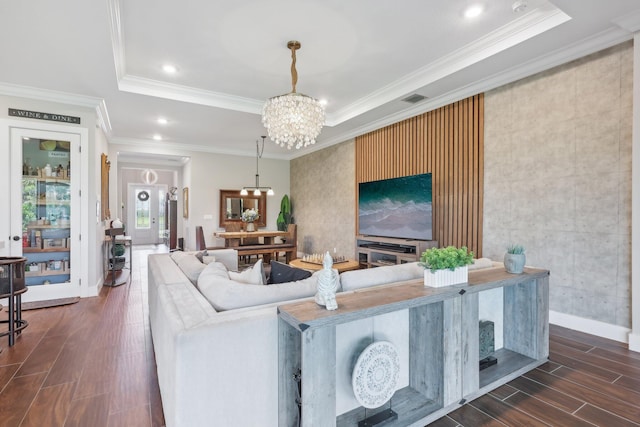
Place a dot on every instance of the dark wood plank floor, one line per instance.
(587, 381)
(88, 364)
(91, 364)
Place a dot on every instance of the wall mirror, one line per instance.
(104, 194)
(232, 204)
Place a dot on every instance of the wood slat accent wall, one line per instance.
(448, 142)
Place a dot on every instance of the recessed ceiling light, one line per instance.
(162, 121)
(519, 6)
(169, 69)
(323, 102)
(473, 11)
(157, 137)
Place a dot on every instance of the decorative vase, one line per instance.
(250, 226)
(514, 263)
(446, 277)
(118, 249)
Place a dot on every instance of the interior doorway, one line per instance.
(146, 213)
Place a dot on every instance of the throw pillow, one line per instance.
(189, 264)
(282, 273)
(208, 259)
(201, 255)
(253, 275)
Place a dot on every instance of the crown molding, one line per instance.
(629, 22)
(174, 148)
(530, 25)
(595, 43)
(10, 89)
(159, 89)
(192, 95)
(103, 117)
(98, 104)
(117, 37)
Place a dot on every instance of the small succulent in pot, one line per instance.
(515, 259)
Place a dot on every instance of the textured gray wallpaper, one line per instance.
(323, 198)
(558, 180)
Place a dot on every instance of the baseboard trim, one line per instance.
(634, 342)
(589, 326)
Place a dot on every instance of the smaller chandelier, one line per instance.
(257, 190)
(294, 118)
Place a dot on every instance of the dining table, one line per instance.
(234, 238)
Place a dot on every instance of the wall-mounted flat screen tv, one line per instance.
(396, 207)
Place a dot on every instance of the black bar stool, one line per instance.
(12, 286)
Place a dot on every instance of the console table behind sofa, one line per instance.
(443, 342)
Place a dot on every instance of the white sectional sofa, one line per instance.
(217, 355)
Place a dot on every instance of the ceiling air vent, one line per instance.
(415, 98)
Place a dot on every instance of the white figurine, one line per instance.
(327, 284)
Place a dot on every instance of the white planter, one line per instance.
(447, 277)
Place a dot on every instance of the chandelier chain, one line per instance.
(294, 72)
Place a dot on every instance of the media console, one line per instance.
(375, 251)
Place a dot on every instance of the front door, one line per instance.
(145, 215)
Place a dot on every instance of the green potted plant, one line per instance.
(515, 259)
(284, 217)
(446, 266)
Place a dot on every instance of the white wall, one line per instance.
(205, 174)
(211, 173)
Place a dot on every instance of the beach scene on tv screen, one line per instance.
(397, 207)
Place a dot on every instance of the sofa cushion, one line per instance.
(189, 264)
(253, 275)
(216, 269)
(282, 273)
(226, 294)
(357, 279)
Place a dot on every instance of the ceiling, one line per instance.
(362, 56)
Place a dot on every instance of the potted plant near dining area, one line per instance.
(248, 217)
(446, 266)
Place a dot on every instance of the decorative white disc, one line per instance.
(376, 374)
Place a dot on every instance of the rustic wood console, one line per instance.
(443, 341)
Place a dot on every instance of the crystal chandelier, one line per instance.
(257, 190)
(294, 118)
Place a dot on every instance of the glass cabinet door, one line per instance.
(46, 211)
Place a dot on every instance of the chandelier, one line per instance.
(294, 118)
(257, 190)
